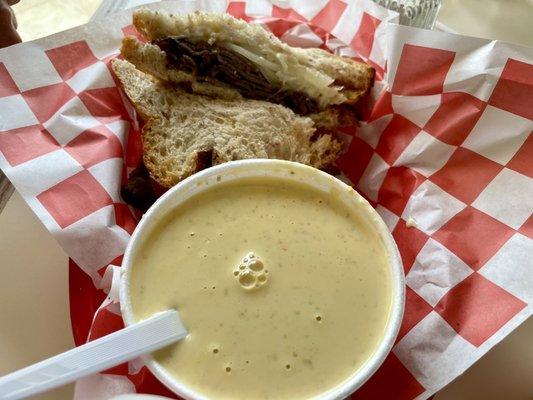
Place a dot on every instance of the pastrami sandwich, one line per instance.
(211, 89)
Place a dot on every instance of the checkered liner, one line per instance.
(445, 155)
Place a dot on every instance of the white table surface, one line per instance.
(34, 285)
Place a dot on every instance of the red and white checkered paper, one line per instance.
(445, 154)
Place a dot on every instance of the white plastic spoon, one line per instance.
(156, 332)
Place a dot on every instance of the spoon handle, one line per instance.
(126, 344)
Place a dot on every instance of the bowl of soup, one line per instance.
(287, 280)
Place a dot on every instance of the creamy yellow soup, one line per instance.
(285, 291)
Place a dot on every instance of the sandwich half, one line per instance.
(218, 55)
(184, 133)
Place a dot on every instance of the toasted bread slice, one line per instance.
(323, 77)
(184, 133)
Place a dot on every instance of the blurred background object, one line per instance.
(39, 18)
(417, 13)
(508, 20)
